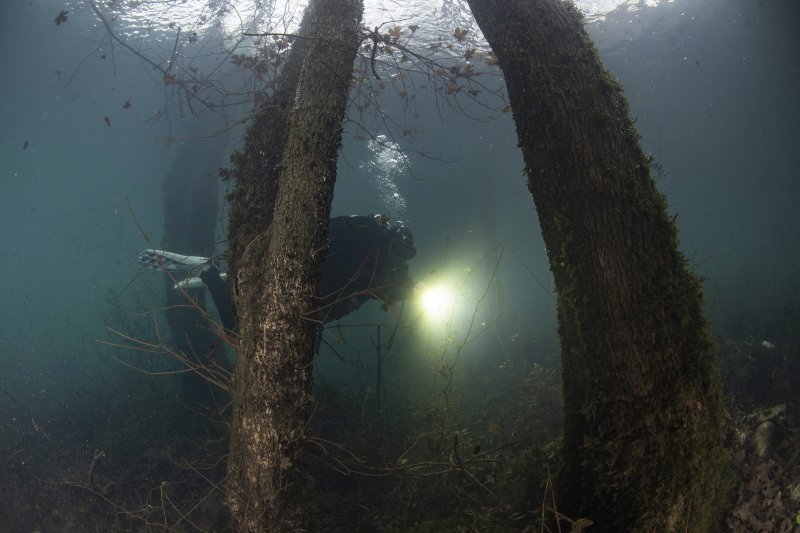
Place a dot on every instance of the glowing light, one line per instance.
(438, 302)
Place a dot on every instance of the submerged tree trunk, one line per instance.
(277, 263)
(643, 440)
(191, 195)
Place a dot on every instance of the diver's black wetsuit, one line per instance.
(221, 295)
(366, 259)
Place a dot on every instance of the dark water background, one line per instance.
(714, 88)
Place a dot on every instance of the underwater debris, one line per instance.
(25, 145)
(61, 17)
(763, 449)
(127, 104)
(107, 120)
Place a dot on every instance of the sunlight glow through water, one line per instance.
(435, 18)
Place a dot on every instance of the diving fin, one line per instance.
(195, 282)
(163, 260)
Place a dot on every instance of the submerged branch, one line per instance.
(165, 72)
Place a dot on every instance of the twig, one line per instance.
(174, 53)
(97, 456)
(40, 430)
(114, 37)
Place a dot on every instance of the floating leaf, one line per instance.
(395, 32)
(460, 34)
(61, 17)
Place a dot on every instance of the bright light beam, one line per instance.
(438, 303)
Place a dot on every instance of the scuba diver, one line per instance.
(366, 260)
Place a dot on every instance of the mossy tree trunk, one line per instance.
(277, 261)
(643, 440)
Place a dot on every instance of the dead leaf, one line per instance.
(61, 17)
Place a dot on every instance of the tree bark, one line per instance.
(277, 264)
(643, 438)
